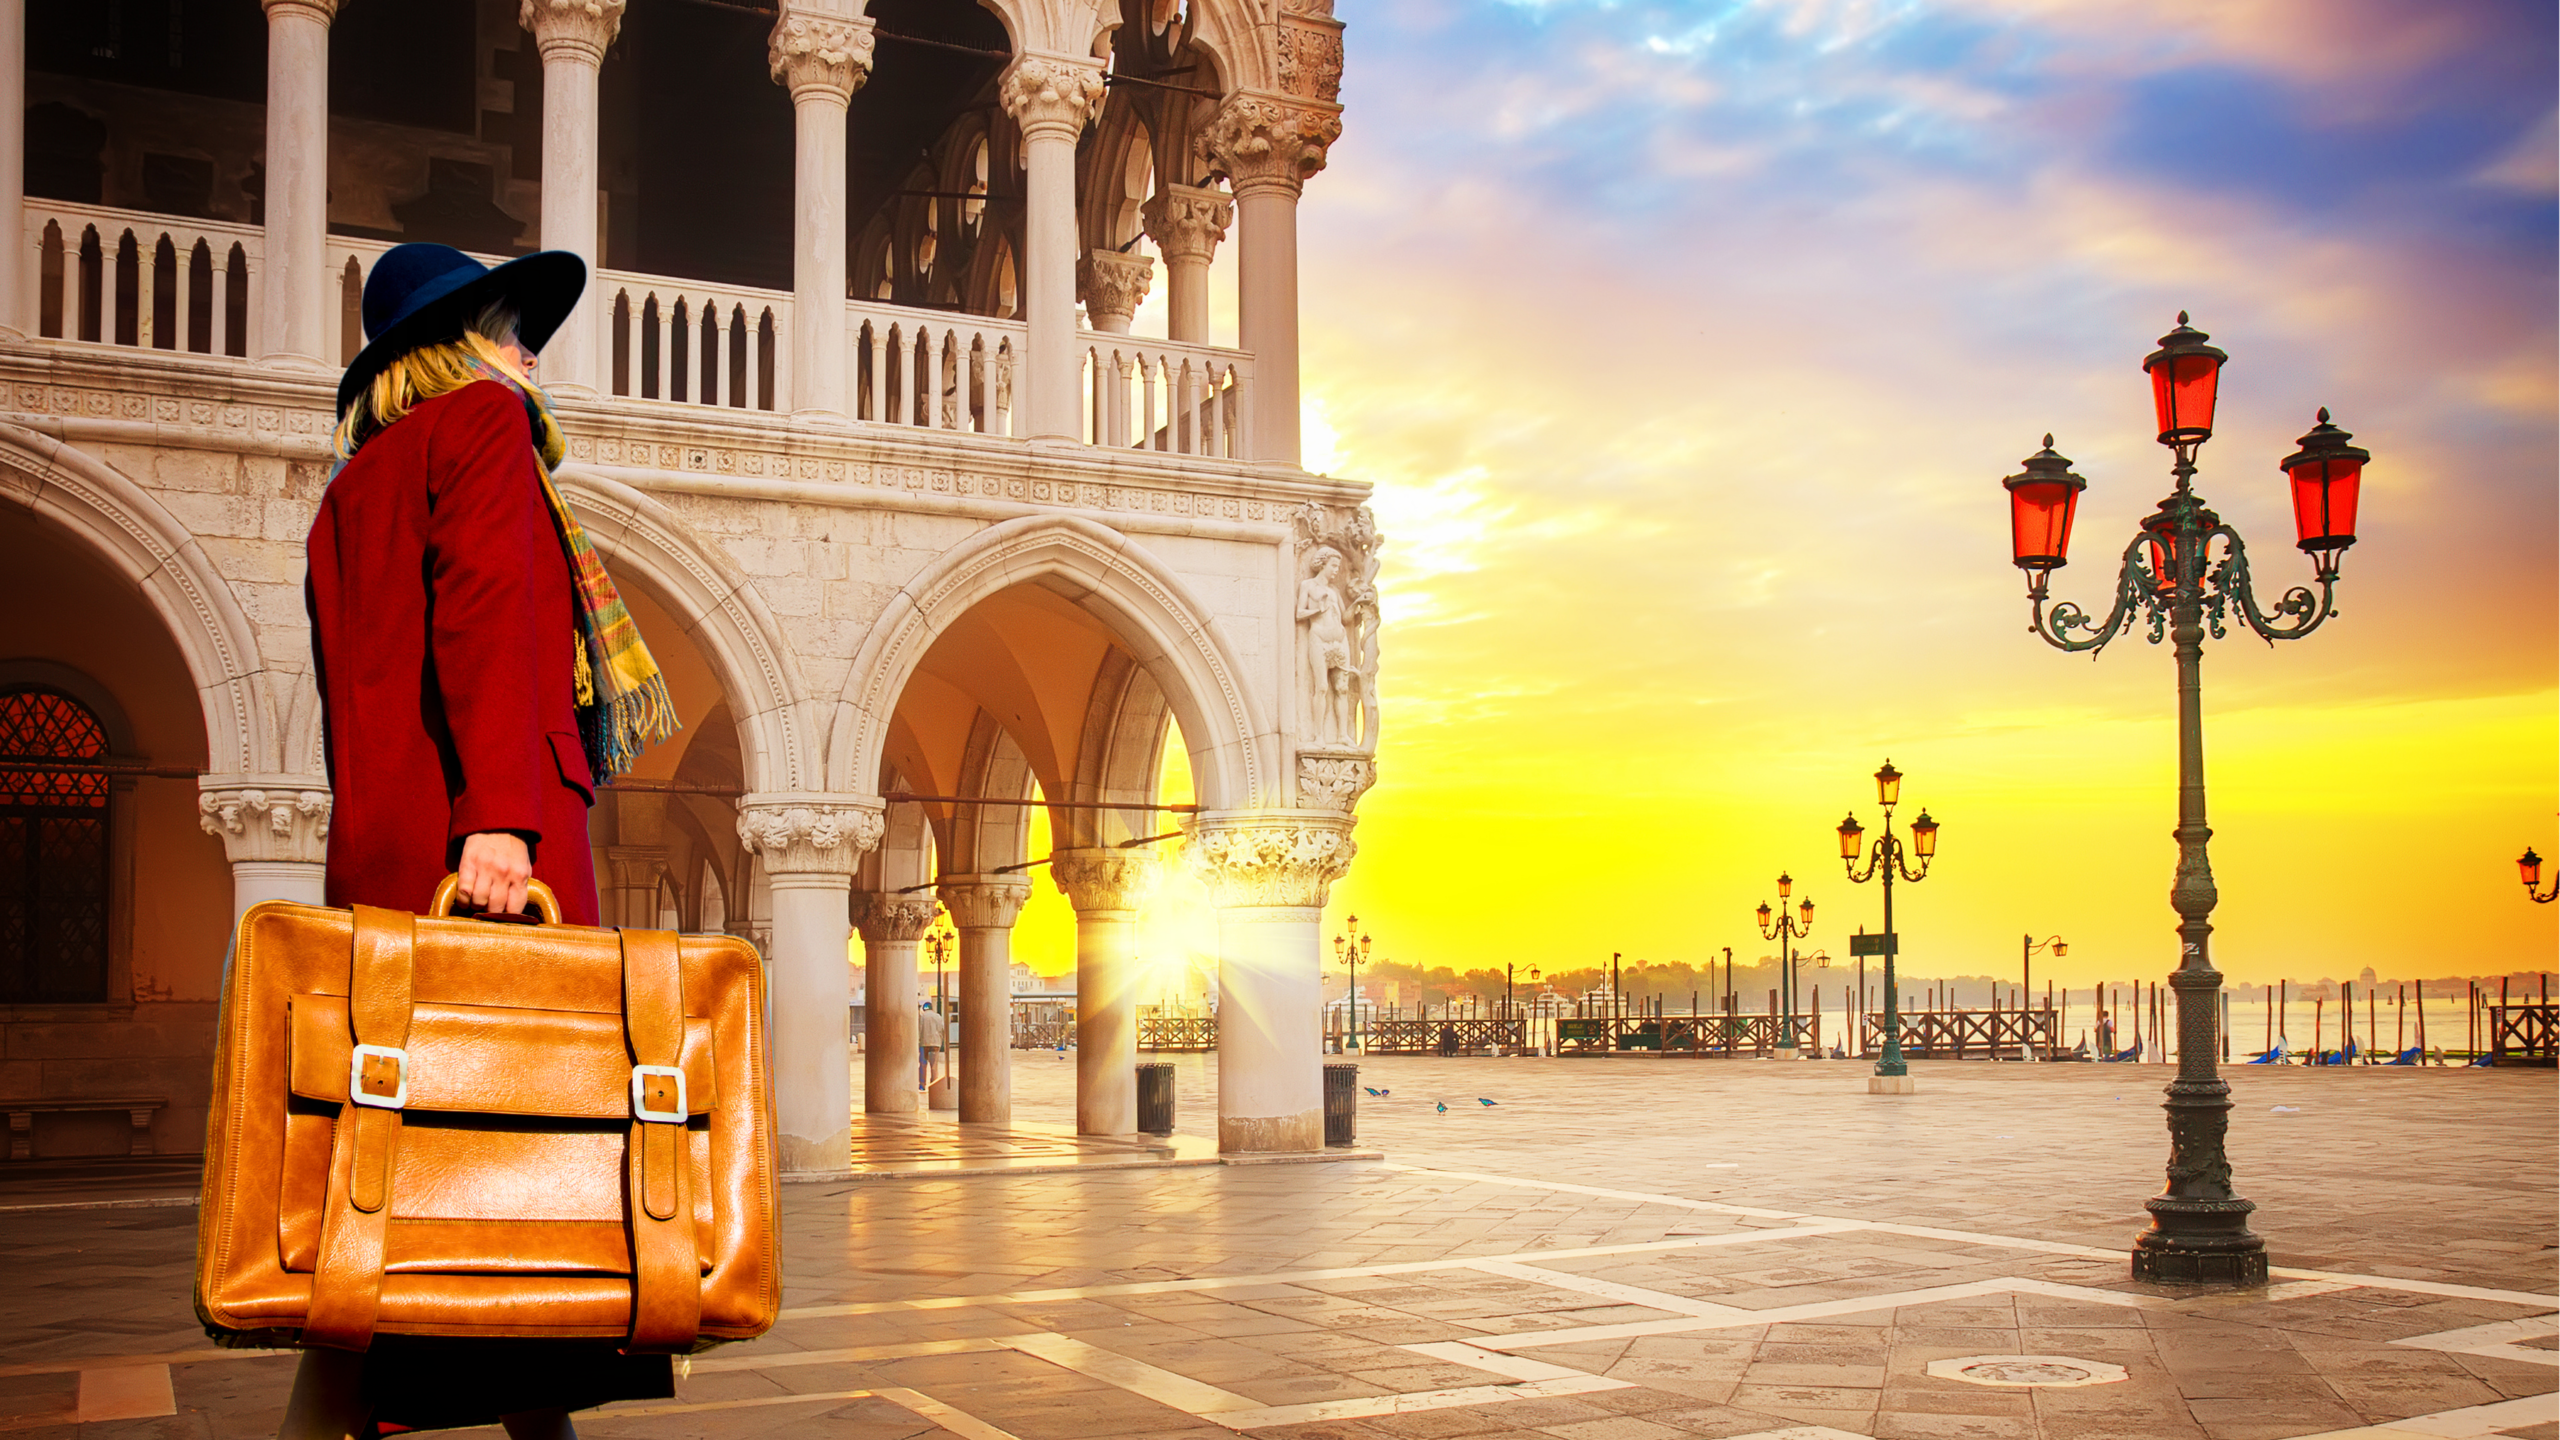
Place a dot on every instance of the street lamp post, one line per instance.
(2028, 945)
(1789, 928)
(2171, 574)
(1350, 947)
(1893, 1076)
(2530, 865)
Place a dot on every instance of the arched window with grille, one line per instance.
(53, 849)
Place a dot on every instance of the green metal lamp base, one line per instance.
(2211, 1244)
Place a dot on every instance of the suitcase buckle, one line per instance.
(361, 1077)
(641, 1109)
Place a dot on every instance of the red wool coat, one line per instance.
(441, 623)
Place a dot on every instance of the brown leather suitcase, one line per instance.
(439, 1125)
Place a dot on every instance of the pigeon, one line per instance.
(1484, 1102)
(1440, 1105)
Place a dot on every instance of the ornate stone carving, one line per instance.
(259, 823)
(984, 902)
(1188, 221)
(1112, 285)
(814, 51)
(808, 836)
(890, 919)
(1337, 615)
(1334, 779)
(582, 28)
(1309, 41)
(1102, 879)
(323, 11)
(1265, 140)
(1277, 860)
(1051, 92)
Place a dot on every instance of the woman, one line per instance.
(478, 677)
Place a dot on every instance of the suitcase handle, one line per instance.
(449, 890)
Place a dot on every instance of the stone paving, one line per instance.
(1568, 1262)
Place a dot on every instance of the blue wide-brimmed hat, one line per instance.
(421, 294)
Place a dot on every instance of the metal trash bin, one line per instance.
(1155, 1098)
(1341, 1104)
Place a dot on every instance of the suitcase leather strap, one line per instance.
(346, 1285)
(666, 1268)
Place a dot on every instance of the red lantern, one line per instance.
(2042, 498)
(2184, 373)
(2530, 866)
(2326, 473)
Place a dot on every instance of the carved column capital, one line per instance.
(984, 902)
(1309, 41)
(1188, 221)
(809, 834)
(635, 867)
(1271, 860)
(323, 11)
(1112, 286)
(573, 29)
(277, 818)
(1102, 879)
(1056, 93)
(885, 917)
(1270, 142)
(814, 52)
(1334, 779)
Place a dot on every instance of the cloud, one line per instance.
(1686, 346)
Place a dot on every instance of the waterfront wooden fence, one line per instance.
(1430, 1037)
(2523, 1034)
(1668, 1034)
(1967, 1034)
(1178, 1032)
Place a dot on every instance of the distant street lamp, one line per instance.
(1350, 948)
(1788, 929)
(1892, 1076)
(2029, 945)
(2199, 1226)
(2531, 865)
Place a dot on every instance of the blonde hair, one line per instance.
(431, 370)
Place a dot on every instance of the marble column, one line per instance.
(891, 925)
(275, 831)
(1051, 97)
(1267, 146)
(1268, 875)
(809, 845)
(1187, 222)
(821, 50)
(294, 311)
(984, 907)
(572, 36)
(1104, 886)
(1113, 286)
(17, 310)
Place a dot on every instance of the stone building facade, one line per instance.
(919, 528)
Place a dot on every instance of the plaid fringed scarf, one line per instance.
(623, 703)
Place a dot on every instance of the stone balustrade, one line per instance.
(131, 278)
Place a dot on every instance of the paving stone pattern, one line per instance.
(1561, 1264)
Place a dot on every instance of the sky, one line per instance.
(1686, 346)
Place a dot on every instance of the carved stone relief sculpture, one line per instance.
(1337, 617)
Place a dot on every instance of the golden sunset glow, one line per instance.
(1686, 359)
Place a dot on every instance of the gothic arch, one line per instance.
(135, 534)
(644, 540)
(1235, 754)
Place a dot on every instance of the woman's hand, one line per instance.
(495, 870)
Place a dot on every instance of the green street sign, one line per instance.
(1875, 945)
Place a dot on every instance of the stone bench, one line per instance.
(23, 1113)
